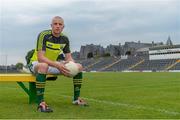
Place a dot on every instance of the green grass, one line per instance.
(110, 95)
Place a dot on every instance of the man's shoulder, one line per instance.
(45, 32)
(64, 35)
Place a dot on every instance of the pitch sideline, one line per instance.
(128, 105)
(120, 104)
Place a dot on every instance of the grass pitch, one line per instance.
(110, 95)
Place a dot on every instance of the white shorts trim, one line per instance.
(51, 70)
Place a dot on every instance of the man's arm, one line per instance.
(68, 57)
(58, 65)
(43, 59)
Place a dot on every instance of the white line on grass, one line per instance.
(129, 105)
(121, 104)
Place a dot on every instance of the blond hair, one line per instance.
(57, 17)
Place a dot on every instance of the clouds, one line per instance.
(97, 21)
(128, 20)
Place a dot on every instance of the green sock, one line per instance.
(77, 80)
(40, 86)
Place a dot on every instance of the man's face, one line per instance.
(57, 25)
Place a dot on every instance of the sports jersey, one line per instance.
(51, 45)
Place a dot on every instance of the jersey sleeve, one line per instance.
(67, 47)
(41, 42)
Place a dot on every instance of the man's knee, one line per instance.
(79, 76)
(42, 68)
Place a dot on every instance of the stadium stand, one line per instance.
(154, 65)
(8, 69)
(176, 66)
(124, 64)
(145, 58)
(103, 63)
(157, 58)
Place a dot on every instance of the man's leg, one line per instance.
(41, 69)
(77, 80)
(40, 86)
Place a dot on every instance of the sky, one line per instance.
(100, 22)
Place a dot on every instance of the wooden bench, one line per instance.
(31, 79)
(20, 78)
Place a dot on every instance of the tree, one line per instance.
(19, 66)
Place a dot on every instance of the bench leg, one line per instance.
(32, 93)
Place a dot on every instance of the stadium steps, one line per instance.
(91, 65)
(108, 66)
(133, 66)
(172, 65)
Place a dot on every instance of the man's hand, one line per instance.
(61, 67)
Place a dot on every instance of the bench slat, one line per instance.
(17, 77)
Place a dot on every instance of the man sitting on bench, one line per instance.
(50, 44)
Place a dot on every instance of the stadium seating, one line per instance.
(103, 63)
(131, 63)
(176, 67)
(154, 65)
(124, 64)
(8, 69)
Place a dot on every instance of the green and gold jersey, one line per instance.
(53, 46)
